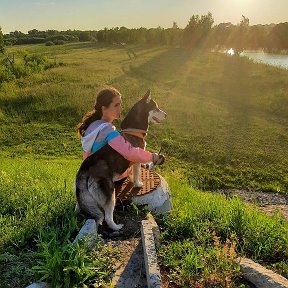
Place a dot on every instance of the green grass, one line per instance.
(38, 225)
(206, 232)
(226, 128)
(33, 194)
(227, 117)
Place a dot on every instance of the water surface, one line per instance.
(278, 60)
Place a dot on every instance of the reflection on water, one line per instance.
(267, 58)
(230, 51)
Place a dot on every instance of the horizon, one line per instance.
(97, 15)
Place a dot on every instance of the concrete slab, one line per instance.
(155, 229)
(260, 276)
(130, 271)
(152, 269)
(89, 232)
(159, 201)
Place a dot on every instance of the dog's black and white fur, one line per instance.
(94, 181)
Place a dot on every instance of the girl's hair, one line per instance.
(103, 98)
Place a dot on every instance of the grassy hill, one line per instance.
(227, 117)
(226, 128)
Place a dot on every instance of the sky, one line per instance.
(25, 15)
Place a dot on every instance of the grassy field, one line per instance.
(227, 117)
(226, 128)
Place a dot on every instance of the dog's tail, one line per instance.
(87, 200)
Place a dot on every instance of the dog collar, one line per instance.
(135, 132)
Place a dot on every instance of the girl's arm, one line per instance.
(133, 154)
(86, 154)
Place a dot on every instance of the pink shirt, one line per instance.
(100, 133)
(123, 147)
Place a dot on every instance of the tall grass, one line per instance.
(33, 195)
(205, 233)
(38, 225)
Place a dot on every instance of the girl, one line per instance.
(97, 130)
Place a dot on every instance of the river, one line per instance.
(278, 60)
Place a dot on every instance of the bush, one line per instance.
(20, 70)
(34, 59)
(58, 37)
(49, 43)
(35, 62)
(59, 42)
(66, 265)
(6, 74)
(30, 40)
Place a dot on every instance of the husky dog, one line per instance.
(135, 126)
(94, 181)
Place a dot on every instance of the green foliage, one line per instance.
(59, 42)
(34, 194)
(34, 60)
(14, 268)
(1, 41)
(194, 264)
(71, 265)
(6, 74)
(225, 129)
(32, 63)
(85, 36)
(49, 43)
(197, 30)
(198, 33)
(205, 232)
(37, 211)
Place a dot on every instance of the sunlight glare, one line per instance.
(230, 52)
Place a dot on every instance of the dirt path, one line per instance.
(268, 202)
(130, 269)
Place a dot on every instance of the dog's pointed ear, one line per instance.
(147, 96)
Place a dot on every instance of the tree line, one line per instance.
(199, 33)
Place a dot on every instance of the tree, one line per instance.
(33, 32)
(1, 42)
(241, 36)
(85, 36)
(175, 26)
(220, 34)
(197, 30)
(279, 38)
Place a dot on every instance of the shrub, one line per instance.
(34, 59)
(6, 74)
(35, 62)
(59, 42)
(67, 265)
(49, 43)
(20, 70)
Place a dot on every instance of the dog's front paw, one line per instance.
(118, 227)
(138, 184)
(100, 220)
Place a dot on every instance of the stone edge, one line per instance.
(260, 276)
(150, 258)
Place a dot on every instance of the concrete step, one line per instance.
(130, 271)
